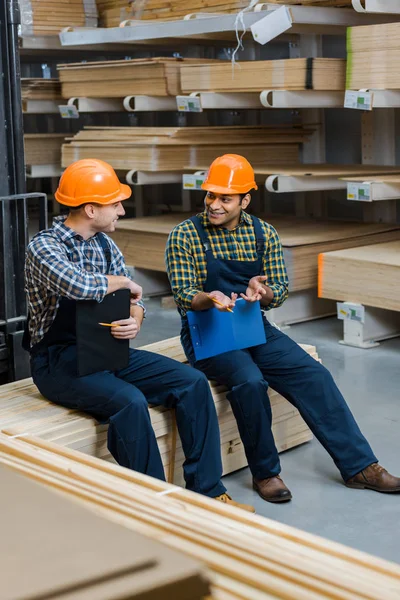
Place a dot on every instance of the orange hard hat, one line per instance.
(90, 180)
(230, 174)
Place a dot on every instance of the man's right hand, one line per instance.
(224, 300)
(136, 291)
(120, 282)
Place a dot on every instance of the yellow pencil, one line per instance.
(108, 325)
(220, 304)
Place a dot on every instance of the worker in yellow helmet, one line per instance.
(224, 253)
(76, 261)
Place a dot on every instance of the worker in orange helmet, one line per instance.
(225, 253)
(74, 261)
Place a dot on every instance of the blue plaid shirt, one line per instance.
(60, 263)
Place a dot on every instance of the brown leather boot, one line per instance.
(272, 489)
(228, 500)
(375, 478)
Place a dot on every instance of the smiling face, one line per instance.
(224, 210)
(104, 217)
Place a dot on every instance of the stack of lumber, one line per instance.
(24, 409)
(248, 557)
(43, 148)
(166, 10)
(369, 275)
(339, 3)
(40, 89)
(53, 547)
(143, 241)
(171, 148)
(112, 12)
(120, 78)
(49, 17)
(253, 76)
(373, 54)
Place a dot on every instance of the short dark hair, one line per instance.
(243, 196)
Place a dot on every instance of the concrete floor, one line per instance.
(370, 381)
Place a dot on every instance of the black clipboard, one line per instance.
(97, 349)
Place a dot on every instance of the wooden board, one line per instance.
(43, 148)
(40, 89)
(49, 17)
(369, 275)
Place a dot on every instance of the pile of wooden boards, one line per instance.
(254, 76)
(40, 89)
(23, 409)
(49, 17)
(143, 241)
(43, 148)
(171, 148)
(373, 54)
(369, 275)
(338, 3)
(113, 12)
(120, 78)
(248, 557)
(176, 9)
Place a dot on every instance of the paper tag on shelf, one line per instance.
(68, 111)
(359, 191)
(346, 311)
(358, 100)
(189, 104)
(193, 182)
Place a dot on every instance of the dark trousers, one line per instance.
(121, 398)
(309, 386)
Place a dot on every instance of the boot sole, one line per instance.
(273, 500)
(359, 486)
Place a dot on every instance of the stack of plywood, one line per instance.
(43, 148)
(176, 9)
(369, 275)
(339, 3)
(254, 76)
(49, 17)
(24, 409)
(120, 78)
(40, 89)
(143, 241)
(112, 12)
(171, 148)
(373, 54)
(248, 557)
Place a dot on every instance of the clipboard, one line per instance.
(214, 332)
(97, 349)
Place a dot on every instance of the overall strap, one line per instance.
(202, 235)
(260, 238)
(106, 249)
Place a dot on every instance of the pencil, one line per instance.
(220, 304)
(108, 325)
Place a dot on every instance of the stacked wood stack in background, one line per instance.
(247, 556)
(373, 55)
(113, 12)
(43, 148)
(369, 275)
(24, 409)
(49, 17)
(171, 148)
(120, 78)
(143, 241)
(338, 3)
(40, 89)
(254, 76)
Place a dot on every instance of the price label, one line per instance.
(346, 311)
(68, 112)
(358, 100)
(359, 191)
(189, 104)
(193, 182)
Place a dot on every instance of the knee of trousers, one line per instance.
(252, 388)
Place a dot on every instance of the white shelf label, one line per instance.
(346, 311)
(359, 191)
(193, 182)
(189, 104)
(358, 100)
(68, 111)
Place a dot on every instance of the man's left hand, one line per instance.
(255, 290)
(127, 329)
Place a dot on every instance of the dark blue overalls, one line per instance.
(288, 369)
(121, 398)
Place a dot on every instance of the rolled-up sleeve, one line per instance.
(274, 268)
(181, 269)
(51, 268)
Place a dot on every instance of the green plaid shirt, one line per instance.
(186, 261)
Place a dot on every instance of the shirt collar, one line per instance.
(245, 219)
(64, 232)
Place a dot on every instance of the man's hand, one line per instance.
(255, 290)
(127, 329)
(224, 300)
(135, 290)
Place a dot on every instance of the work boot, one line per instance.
(228, 500)
(272, 489)
(375, 478)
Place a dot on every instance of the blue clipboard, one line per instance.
(214, 332)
